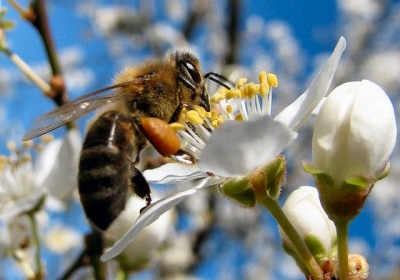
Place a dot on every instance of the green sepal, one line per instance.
(276, 176)
(334, 250)
(288, 250)
(38, 206)
(384, 172)
(357, 184)
(316, 248)
(3, 11)
(321, 179)
(7, 24)
(239, 190)
(268, 178)
(309, 168)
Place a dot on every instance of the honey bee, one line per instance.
(146, 98)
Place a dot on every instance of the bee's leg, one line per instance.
(140, 144)
(140, 186)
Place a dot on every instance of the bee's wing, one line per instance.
(75, 109)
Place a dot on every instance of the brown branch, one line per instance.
(94, 245)
(40, 22)
(233, 30)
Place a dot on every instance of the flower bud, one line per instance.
(355, 131)
(304, 211)
(354, 135)
(358, 267)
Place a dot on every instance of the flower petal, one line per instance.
(173, 173)
(296, 114)
(236, 148)
(152, 212)
(14, 208)
(63, 158)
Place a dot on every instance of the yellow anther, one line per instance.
(239, 117)
(263, 77)
(214, 123)
(39, 147)
(272, 80)
(245, 91)
(241, 82)
(207, 114)
(229, 109)
(194, 117)
(217, 97)
(47, 138)
(223, 90)
(26, 158)
(264, 89)
(184, 111)
(251, 89)
(233, 93)
(177, 126)
(201, 111)
(3, 159)
(220, 119)
(213, 114)
(11, 145)
(27, 144)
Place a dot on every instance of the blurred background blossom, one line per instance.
(212, 238)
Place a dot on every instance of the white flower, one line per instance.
(59, 164)
(152, 212)
(143, 250)
(23, 184)
(304, 211)
(61, 239)
(355, 131)
(19, 234)
(236, 147)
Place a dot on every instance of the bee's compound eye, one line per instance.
(193, 71)
(163, 138)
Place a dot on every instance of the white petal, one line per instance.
(297, 113)
(173, 173)
(236, 148)
(64, 160)
(47, 160)
(17, 207)
(152, 212)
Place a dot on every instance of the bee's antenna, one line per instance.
(210, 74)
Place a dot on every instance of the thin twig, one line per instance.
(233, 31)
(40, 22)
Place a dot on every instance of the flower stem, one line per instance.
(36, 242)
(276, 211)
(342, 228)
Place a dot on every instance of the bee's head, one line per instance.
(194, 90)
